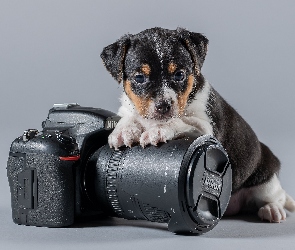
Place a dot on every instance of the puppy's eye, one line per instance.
(179, 76)
(140, 78)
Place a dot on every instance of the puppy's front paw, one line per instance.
(125, 135)
(156, 135)
(273, 212)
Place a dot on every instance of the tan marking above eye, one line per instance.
(183, 97)
(141, 104)
(146, 69)
(172, 67)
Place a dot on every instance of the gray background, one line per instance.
(49, 53)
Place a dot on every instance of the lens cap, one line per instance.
(205, 184)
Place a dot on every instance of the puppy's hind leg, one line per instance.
(272, 200)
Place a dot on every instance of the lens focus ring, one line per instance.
(111, 181)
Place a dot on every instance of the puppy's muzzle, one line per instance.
(163, 107)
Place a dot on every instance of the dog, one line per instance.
(165, 95)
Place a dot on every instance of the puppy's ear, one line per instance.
(196, 44)
(113, 57)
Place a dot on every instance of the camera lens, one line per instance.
(185, 182)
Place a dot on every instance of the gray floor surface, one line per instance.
(238, 232)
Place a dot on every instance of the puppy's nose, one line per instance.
(163, 106)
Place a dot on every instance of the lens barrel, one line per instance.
(185, 182)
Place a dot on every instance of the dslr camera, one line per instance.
(68, 172)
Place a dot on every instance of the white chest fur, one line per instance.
(195, 113)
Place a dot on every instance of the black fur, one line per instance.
(252, 162)
(196, 44)
(113, 57)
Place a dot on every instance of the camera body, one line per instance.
(45, 170)
(69, 172)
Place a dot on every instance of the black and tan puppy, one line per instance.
(165, 94)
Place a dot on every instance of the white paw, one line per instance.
(273, 212)
(156, 135)
(125, 134)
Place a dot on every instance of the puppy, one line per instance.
(165, 94)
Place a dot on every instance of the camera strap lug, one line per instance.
(29, 134)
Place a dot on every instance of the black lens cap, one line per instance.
(205, 183)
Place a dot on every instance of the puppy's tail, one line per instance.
(289, 203)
